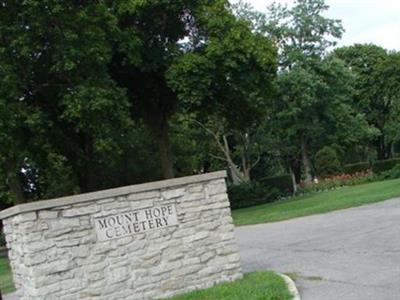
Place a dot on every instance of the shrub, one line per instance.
(327, 162)
(282, 183)
(2, 239)
(391, 174)
(385, 165)
(250, 194)
(356, 168)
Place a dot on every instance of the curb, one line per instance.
(291, 286)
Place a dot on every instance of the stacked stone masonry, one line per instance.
(55, 252)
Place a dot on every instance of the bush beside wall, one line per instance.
(282, 183)
(266, 190)
(250, 194)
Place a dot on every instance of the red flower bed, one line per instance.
(336, 181)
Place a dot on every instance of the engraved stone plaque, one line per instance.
(134, 222)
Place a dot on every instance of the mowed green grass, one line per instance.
(6, 283)
(254, 286)
(318, 203)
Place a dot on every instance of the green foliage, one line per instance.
(229, 76)
(225, 83)
(250, 194)
(384, 165)
(2, 239)
(313, 107)
(356, 168)
(327, 162)
(84, 95)
(393, 173)
(283, 183)
(303, 31)
(377, 74)
(66, 114)
(96, 94)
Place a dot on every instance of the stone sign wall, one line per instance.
(144, 241)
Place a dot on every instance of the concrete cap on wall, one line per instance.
(47, 204)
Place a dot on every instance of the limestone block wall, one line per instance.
(144, 241)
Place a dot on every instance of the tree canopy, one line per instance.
(377, 73)
(101, 94)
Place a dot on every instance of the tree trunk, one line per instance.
(381, 147)
(165, 151)
(293, 176)
(237, 176)
(306, 161)
(87, 182)
(392, 150)
(14, 182)
(246, 168)
(234, 175)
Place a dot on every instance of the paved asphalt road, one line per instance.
(351, 254)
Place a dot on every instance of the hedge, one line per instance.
(283, 183)
(251, 194)
(393, 173)
(356, 168)
(385, 165)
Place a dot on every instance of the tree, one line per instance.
(327, 162)
(314, 90)
(82, 82)
(148, 45)
(302, 33)
(378, 91)
(226, 80)
(62, 110)
(315, 110)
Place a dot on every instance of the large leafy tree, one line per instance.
(168, 31)
(377, 91)
(155, 28)
(313, 108)
(82, 82)
(63, 111)
(225, 78)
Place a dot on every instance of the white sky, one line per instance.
(364, 21)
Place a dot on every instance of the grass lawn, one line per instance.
(318, 203)
(6, 283)
(254, 286)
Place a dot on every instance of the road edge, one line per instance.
(291, 286)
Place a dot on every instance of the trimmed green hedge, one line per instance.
(251, 194)
(259, 192)
(393, 173)
(385, 165)
(283, 183)
(356, 168)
